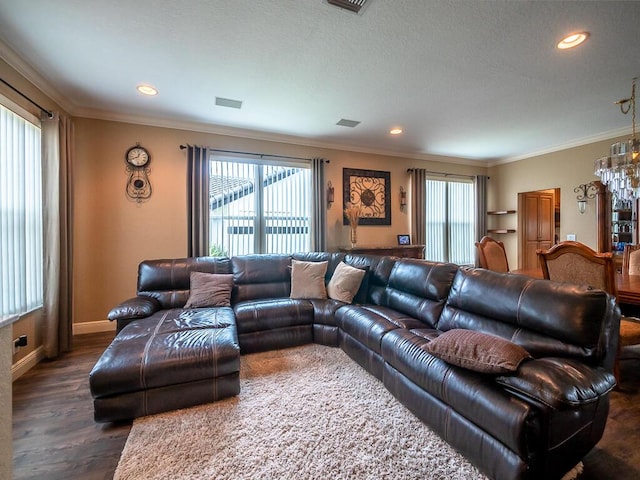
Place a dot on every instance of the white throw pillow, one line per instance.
(345, 282)
(307, 279)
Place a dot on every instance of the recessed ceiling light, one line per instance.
(572, 40)
(395, 131)
(147, 89)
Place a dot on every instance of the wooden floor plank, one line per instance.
(55, 436)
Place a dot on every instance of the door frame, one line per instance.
(522, 219)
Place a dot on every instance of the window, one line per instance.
(20, 214)
(450, 221)
(259, 207)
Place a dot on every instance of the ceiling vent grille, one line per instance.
(353, 5)
(227, 102)
(343, 122)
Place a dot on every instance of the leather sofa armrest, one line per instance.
(559, 383)
(136, 307)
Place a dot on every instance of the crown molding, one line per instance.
(265, 136)
(31, 75)
(565, 146)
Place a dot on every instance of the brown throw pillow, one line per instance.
(307, 279)
(477, 351)
(345, 282)
(210, 290)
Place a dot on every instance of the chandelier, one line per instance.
(620, 171)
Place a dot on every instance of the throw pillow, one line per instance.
(209, 290)
(307, 279)
(345, 282)
(477, 351)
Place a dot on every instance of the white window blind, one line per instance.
(259, 207)
(450, 221)
(20, 214)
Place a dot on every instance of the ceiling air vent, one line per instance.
(227, 102)
(353, 5)
(343, 122)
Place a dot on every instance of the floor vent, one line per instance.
(347, 123)
(353, 5)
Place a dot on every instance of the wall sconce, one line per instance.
(403, 197)
(584, 191)
(330, 194)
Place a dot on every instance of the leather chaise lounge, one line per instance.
(536, 420)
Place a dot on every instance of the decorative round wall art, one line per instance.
(369, 190)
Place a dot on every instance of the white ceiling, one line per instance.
(477, 79)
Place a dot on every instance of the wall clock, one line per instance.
(137, 160)
(370, 190)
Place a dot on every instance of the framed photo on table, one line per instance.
(371, 191)
(404, 240)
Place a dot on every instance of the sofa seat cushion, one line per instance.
(271, 314)
(399, 319)
(473, 395)
(171, 347)
(368, 324)
(324, 311)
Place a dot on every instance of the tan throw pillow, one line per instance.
(210, 290)
(477, 351)
(345, 282)
(307, 279)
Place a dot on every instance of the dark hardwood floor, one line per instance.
(55, 436)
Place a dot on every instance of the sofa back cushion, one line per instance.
(261, 276)
(546, 318)
(168, 280)
(417, 288)
(332, 259)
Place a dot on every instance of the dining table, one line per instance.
(627, 286)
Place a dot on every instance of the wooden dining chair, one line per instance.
(492, 255)
(631, 259)
(574, 262)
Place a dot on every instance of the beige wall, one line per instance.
(113, 234)
(566, 170)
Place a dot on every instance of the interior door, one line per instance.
(536, 214)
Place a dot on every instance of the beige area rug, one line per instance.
(303, 413)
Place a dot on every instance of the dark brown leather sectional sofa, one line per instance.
(536, 422)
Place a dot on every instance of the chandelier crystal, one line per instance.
(620, 171)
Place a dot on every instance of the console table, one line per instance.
(403, 251)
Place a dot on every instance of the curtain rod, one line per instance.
(261, 155)
(410, 170)
(48, 112)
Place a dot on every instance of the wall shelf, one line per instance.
(501, 230)
(501, 212)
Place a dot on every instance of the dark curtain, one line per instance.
(198, 201)
(318, 206)
(418, 199)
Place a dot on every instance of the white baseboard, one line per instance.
(26, 363)
(94, 327)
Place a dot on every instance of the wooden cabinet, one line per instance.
(403, 251)
(536, 223)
